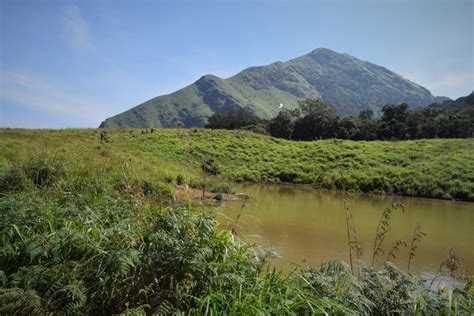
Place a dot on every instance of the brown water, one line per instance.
(308, 226)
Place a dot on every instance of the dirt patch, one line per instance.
(186, 193)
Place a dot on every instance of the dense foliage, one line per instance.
(316, 119)
(234, 118)
(102, 236)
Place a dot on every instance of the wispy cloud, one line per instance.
(38, 94)
(75, 26)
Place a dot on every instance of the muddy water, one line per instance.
(308, 226)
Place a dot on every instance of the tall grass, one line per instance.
(383, 227)
(352, 242)
(418, 234)
(389, 290)
(436, 168)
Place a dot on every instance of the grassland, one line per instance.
(438, 168)
(93, 228)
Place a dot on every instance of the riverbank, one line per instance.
(91, 226)
(436, 168)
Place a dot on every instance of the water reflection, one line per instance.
(308, 226)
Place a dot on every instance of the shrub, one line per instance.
(180, 180)
(43, 172)
(155, 189)
(220, 188)
(12, 179)
(287, 176)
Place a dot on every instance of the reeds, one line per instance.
(395, 248)
(352, 242)
(418, 234)
(383, 227)
(233, 227)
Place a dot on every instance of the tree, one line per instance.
(366, 115)
(427, 126)
(455, 126)
(348, 128)
(367, 126)
(281, 126)
(393, 123)
(234, 117)
(319, 120)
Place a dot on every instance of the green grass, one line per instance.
(91, 228)
(436, 168)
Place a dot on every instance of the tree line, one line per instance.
(316, 119)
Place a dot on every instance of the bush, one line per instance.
(104, 257)
(43, 172)
(39, 171)
(180, 179)
(12, 180)
(220, 188)
(234, 117)
(155, 189)
(288, 176)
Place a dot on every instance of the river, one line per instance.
(308, 226)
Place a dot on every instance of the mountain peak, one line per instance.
(350, 84)
(322, 50)
(324, 55)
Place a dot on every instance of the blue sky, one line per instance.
(74, 63)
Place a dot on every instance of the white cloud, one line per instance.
(28, 91)
(75, 26)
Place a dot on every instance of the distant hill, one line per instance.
(460, 105)
(350, 84)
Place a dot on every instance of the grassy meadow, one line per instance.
(91, 227)
(437, 168)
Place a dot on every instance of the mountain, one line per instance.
(350, 84)
(463, 105)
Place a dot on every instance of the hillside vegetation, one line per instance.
(316, 119)
(91, 227)
(437, 168)
(350, 84)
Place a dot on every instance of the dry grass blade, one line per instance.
(418, 234)
(383, 227)
(352, 242)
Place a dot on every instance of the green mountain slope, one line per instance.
(348, 83)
